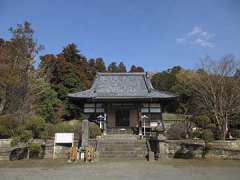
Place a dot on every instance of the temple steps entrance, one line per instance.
(119, 130)
(121, 147)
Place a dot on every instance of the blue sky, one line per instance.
(155, 34)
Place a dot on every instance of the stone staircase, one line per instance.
(121, 147)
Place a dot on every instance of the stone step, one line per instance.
(121, 146)
(129, 143)
(119, 137)
(121, 157)
(121, 153)
(119, 131)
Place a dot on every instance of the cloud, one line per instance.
(197, 37)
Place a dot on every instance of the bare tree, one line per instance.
(216, 90)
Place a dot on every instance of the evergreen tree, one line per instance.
(67, 72)
(100, 65)
(113, 67)
(16, 59)
(122, 67)
(136, 69)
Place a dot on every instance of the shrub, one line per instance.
(48, 131)
(9, 127)
(94, 130)
(35, 151)
(207, 135)
(22, 137)
(201, 121)
(36, 124)
(235, 133)
(196, 134)
(73, 126)
(177, 131)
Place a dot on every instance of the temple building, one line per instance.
(127, 101)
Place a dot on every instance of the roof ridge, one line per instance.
(121, 73)
(146, 84)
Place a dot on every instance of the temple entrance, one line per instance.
(122, 118)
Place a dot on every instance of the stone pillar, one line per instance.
(162, 147)
(85, 132)
(139, 120)
(105, 124)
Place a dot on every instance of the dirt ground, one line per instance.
(126, 170)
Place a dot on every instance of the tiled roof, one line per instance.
(122, 85)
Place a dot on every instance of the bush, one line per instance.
(36, 124)
(207, 135)
(48, 131)
(94, 130)
(196, 134)
(73, 126)
(235, 133)
(22, 137)
(9, 127)
(35, 147)
(35, 151)
(177, 131)
(201, 121)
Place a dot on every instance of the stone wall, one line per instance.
(62, 150)
(5, 148)
(195, 149)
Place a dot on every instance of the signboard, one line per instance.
(153, 124)
(62, 138)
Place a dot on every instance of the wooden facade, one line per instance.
(126, 100)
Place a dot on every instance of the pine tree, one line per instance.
(113, 67)
(122, 67)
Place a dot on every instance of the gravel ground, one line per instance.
(130, 170)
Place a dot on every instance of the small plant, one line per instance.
(35, 150)
(207, 136)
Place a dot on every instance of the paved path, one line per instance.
(133, 170)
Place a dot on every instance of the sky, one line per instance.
(154, 34)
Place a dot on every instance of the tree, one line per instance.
(122, 67)
(216, 90)
(113, 67)
(16, 62)
(168, 81)
(67, 72)
(100, 65)
(136, 69)
(46, 102)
